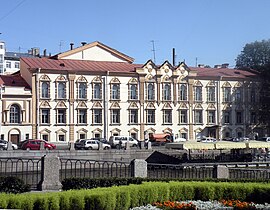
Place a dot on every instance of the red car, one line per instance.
(34, 144)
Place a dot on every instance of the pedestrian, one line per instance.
(120, 144)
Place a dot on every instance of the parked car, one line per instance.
(4, 145)
(91, 144)
(208, 140)
(120, 141)
(34, 144)
(267, 139)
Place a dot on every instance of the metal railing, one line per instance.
(27, 169)
(244, 173)
(93, 168)
(179, 171)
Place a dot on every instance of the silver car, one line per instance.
(4, 145)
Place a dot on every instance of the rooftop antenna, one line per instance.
(196, 62)
(154, 50)
(60, 45)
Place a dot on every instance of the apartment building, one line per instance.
(96, 91)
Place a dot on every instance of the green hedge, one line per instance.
(12, 184)
(90, 183)
(125, 197)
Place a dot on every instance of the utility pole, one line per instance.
(154, 50)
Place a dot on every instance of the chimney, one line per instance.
(173, 56)
(71, 46)
(201, 65)
(225, 65)
(44, 53)
(83, 43)
(217, 66)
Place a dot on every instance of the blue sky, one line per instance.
(213, 31)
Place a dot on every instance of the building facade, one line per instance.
(96, 91)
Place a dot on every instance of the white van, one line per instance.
(114, 141)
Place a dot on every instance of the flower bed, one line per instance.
(204, 205)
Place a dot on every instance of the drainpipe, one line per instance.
(105, 104)
(37, 101)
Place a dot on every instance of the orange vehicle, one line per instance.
(160, 138)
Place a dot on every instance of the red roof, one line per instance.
(14, 80)
(79, 65)
(104, 66)
(222, 72)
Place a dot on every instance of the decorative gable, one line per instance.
(81, 105)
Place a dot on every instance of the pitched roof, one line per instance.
(222, 72)
(79, 65)
(14, 80)
(94, 44)
(104, 66)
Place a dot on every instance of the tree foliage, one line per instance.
(255, 55)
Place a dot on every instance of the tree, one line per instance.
(255, 55)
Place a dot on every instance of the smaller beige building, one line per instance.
(15, 108)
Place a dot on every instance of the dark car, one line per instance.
(34, 144)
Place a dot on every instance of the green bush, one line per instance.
(11, 184)
(90, 183)
(125, 197)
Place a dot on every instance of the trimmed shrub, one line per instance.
(90, 183)
(12, 184)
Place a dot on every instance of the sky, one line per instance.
(206, 32)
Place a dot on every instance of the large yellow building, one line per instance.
(96, 91)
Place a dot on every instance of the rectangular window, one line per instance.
(115, 116)
(82, 116)
(253, 118)
(45, 116)
(97, 116)
(227, 94)
(61, 137)
(238, 95)
(211, 117)
(211, 92)
(133, 116)
(239, 117)
(8, 64)
(167, 116)
(150, 116)
(198, 117)
(45, 137)
(61, 116)
(183, 116)
(17, 65)
(227, 117)
(198, 93)
(82, 136)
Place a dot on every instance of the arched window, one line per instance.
(115, 91)
(97, 91)
(150, 91)
(45, 90)
(133, 91)
(14, 114)
(61, 90)
(82, 90)
(167, 92)
(183, 92)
